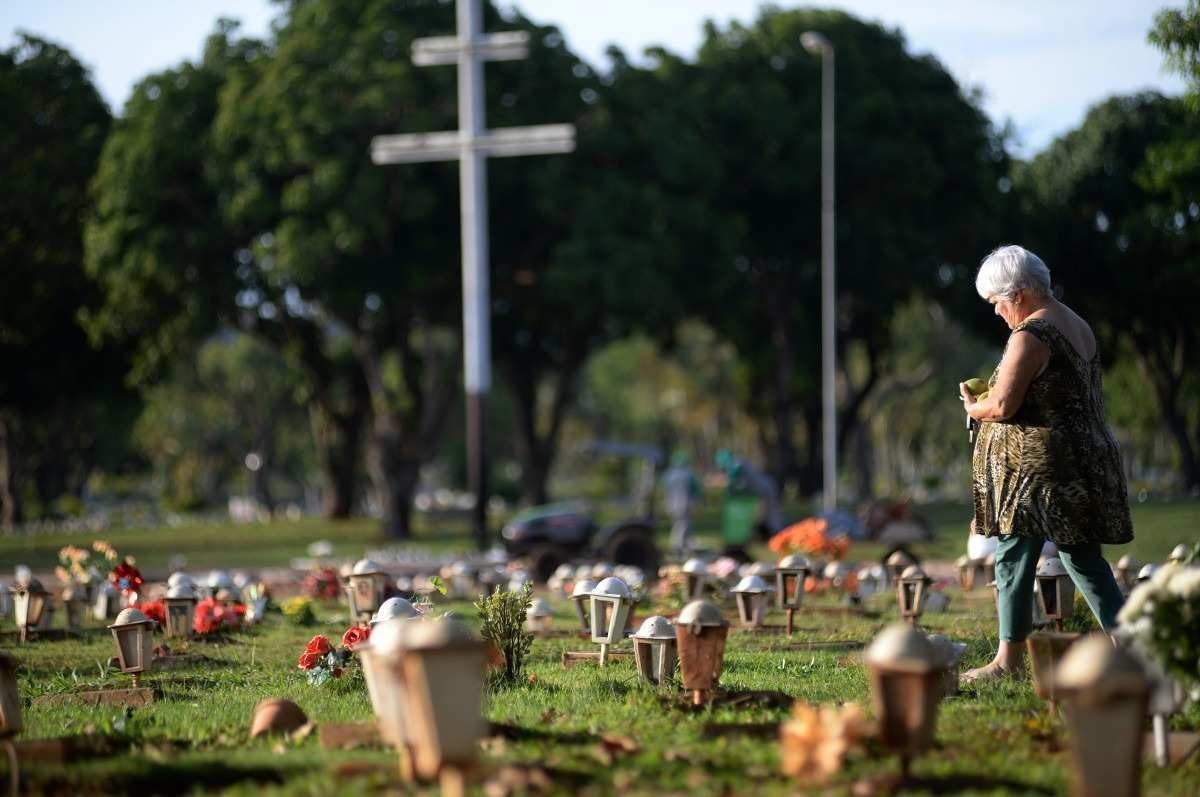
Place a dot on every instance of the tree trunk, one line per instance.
(338, 439)
(1165, 369)
(395, 474)
(537, 448)
(10, 492)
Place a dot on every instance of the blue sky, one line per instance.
(1039, 63)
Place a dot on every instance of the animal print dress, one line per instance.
(1052, 470)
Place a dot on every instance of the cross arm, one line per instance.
(437, 50)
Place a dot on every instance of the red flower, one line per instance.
(318, 645)
(337, 672)
(208, 616)
(308, 660)
(127, 578)
(154, 610)
(354, 635)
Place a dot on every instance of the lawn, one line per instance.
(995, 740)
(1158, 526)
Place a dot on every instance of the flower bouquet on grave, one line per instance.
(154, 610)
(1162, 618)
(811, 537)
(322, 583)
(321, 661)
(212, 615)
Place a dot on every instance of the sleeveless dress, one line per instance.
(1053, 470)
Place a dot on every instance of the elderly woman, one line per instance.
(1046, 466)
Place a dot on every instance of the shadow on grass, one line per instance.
(957, 784)
(518, 733)
(152, 778)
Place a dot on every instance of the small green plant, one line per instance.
(502, 623)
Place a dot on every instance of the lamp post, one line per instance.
(580, 596)
(654, 651)
(135, 646)
(700, 633)
(817, 44)
(695, 576)
(752, 595)
(29, 603)
(1056, 592)
(911, 592)
(611, 601)
(790, 575)
(906, 685)
(181, 609)
(366, 587)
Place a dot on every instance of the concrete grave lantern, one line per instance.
(1147, 572)
(1046, 651)
(654, 651)
(601, 571)
(30, 602)
(538, 617)
(947, 656)
(1105, 696)
(217, 580)
(1126, 571)
(790, 574)
(970, 572)
(366, 586)
(381, 656)
(752, 596)
(10, 699)
(695, 577)
(135, 644)
(75, 603)
(896, 562)
(179, 579)
(700, 633)
(443, 681)
(1178, 554)
(394, 609)
(906, 685)
(580, 596)
(610, 603)
(1056, 592)
(181, 609)
(911, 592)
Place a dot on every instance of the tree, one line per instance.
(1177, 33)
(917, 184)
(55, 388)
(172, 262)
(1121, 228)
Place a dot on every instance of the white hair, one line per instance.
(1009, 269)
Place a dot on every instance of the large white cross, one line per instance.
(471, 145)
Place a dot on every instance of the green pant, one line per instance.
(1016, 566)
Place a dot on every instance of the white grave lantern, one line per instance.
(970, 572)
(179, 579)
(610, 602)
(366, 587)
(30, 601)
(1056, 592)
(1126, 571)
(700, 633)
(752, 595)
(906, 685)
(1104, 695)
(181, 609)
(381, 656)
(1148, 570)
(135, 644)
(695, 576)
(601, 571)
(580, 596)
(538, 617)
(654, 650)
(911, 589)
(443, 685)
(75, 602)
(947, 656)
(1179, 554)
(463, 579)
(394, 609)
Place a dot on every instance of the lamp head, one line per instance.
(815, 43)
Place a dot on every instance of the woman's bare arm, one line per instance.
(1024, 358)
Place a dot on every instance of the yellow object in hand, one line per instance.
(976, 387)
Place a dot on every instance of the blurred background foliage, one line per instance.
(216, 295)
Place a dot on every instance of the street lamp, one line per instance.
(817, 44)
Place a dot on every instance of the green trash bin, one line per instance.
(737, 519)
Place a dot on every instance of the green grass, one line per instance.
(1158, 527)
(996, 740)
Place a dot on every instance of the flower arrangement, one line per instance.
(1162, 617)
(154, 610)
(75, 567)
(125, 576)
(212, 615)
(816, 740)
(322, 582)
(320, 661)
(811, 537)
(299, 610)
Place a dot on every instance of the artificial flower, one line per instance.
(354, 635)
